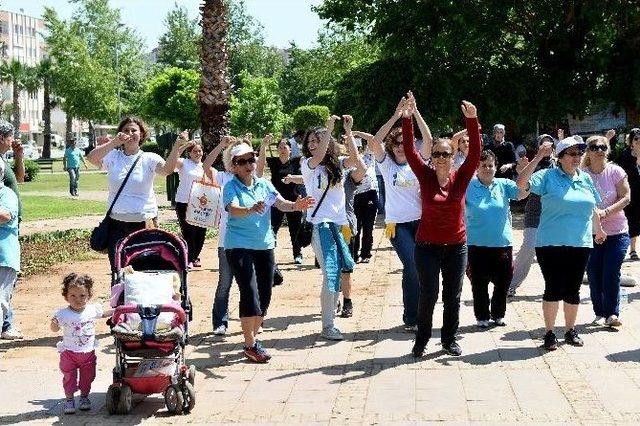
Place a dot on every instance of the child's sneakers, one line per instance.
(69, 406)
(85, 403)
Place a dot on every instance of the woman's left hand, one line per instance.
(469, 110)
(304, 203)
(600, 236)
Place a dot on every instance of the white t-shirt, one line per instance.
(189, 172)
(332, 208)
(137, 202)
(370, 181)
(402, 192)
(221, 179)
(79, 328)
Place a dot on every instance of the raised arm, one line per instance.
(376, 143)
(104, 146)
(427, 139)
(455, 140)
(323, 143)
(178, 148)
(18, 159)
(354, 160)
(262, 155)
(523, 178)
(416, 162)
(471, 163)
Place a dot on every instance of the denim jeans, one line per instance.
(603, 271)
(430, 260)
(524, 258)
(404, 243)
(8, 278)
(381, 194)
(74, 177)
(220, 309)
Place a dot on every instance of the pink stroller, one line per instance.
(150, 360)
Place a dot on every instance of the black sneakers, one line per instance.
(550, 341)
(572, 338)
(452, 349)
(347, 309)
(418, 348)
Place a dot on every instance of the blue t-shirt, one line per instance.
(567, 207)
(254, 230)
(487, 212)
(9, 244)
(73, 155)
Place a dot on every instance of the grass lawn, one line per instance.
(36, 207)
(52, 182)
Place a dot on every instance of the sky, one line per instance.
(283, 20)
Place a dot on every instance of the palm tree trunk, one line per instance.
(214, 85)
(46, 117)
(16, 108)
(69, 129)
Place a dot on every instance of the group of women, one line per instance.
(446, 213)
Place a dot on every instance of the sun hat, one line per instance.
(569, 142)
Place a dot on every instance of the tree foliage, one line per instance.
(178, 46)
(520, 61)
(171, 98)
(257, 107)
(307, 116)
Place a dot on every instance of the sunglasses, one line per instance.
(575, 153)
(244, 161)
(595, 148)
(636, 138)
(440, 154)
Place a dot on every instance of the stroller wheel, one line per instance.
(173, 399)
(192, 375)
(189, 397)
(111, 401)
(125, 402)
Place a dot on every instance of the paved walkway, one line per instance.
(369, 378)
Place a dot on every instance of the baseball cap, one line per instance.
(569, 142)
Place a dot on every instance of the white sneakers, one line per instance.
(331, 333)
(598, 321)
(220, 330)
(482, 324)
(12, 333)
(613, 321)
(500, 322)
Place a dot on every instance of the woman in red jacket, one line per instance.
(441, 237)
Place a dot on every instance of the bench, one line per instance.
(45, 164)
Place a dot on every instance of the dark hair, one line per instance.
(299, 134)
(75, 280)
(144, 129)
(330, 161)
(635, 132)
(390, 140)
(285, 140)
(487, 155)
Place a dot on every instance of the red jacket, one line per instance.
(442, 220)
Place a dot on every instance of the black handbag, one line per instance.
(99, 240)
(305, 232)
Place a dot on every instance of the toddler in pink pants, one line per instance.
(77, 348)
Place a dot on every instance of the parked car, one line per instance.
(31, 151)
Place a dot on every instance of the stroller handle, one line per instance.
(133, 309)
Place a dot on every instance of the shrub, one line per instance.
(31, 170)
(310, 116)
(150, 146)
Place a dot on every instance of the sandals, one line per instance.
(633, 255)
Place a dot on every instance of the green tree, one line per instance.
(257, 107)
(171, 98)
(14, 73)
(307, 116)
(178, 46)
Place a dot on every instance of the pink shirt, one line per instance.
(605, 182)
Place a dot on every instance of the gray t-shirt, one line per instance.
(350, 192)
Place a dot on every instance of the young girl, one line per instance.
(76, 349)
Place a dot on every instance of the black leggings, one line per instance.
(294, 221)
(365, 206)
(117, 231)
(563, 269)
(253, 271)
(490, 264)
(193, 235)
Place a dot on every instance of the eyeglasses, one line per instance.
(575, 153)
(636, 138)
(595, 148)
(244, 161)
(440, 154)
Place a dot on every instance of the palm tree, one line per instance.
(214, 85)
(13, 72)
(45, 72)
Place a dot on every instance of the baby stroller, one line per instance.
(148, 359)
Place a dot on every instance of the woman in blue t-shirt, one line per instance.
(489, 239)
(249, 242)
(564, 239)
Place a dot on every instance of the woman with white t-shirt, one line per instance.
(402, 202)
(322, 169)
(136, 208)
